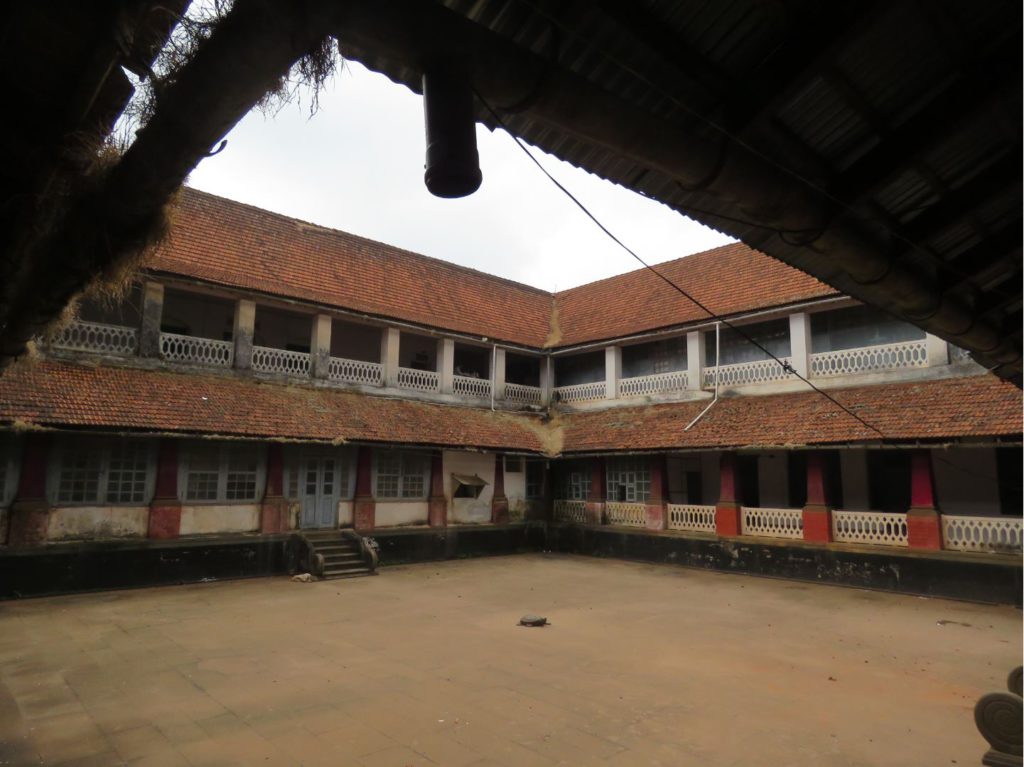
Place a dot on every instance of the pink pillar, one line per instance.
(499, 503)
(727, 510)
(165, 508)
(437, 503)
(656, 511)
(598, 492)
(364, 506)
(924, 530)
(30, 511)
(274, 509)
(818, 510)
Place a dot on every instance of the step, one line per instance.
(346, 561)
(347, 572)
(337, 547)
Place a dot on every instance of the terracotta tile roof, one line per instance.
(243, 247)
(976, 406)
(239, 246)
(728, 280)
(60, 394)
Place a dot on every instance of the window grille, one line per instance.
(534, 479)
(242, 468)
(576, 486)
(222, 472)
(628, 480)
(110, 472)
(401, 475)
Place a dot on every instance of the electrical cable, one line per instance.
(718, 318)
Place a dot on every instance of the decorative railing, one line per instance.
(421, 380)
(270, 360)
(580, 392)
(202, 351)
(684, 516)
(652, 384)
(527, 395)
(866, 359)
(571, 511)
(97, 337)
(471, 387)
(743, 373)
(997, 534)
(355, 371)
(772, 523)
(877, 527)
(628, 514)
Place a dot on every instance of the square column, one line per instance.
(498, 374)
(612, 371)
(695, 341)
(937, 350)
(446, 364)
(727, 510)
(29, 514)
(817, 512)
(389, 339)
(245, 323)
(547, 380)
(499, 503)
(656, 512)
(924, 530)
(800, 343)
(165, 508)
(437, 503)
(274, 509)
(598, 492)
(152, 316)
(320, 346)
(364, 506)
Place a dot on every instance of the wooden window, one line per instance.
(114, 471)
(401, 475)
(535, 479)
(628, 479)
(213, 472)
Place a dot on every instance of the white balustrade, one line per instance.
(686, 516)
(355, 371)
(867, 359)
(271, 360)
(421, 380)
(526, 395)
(743, 373)
(471, 387)
(995, 534)
(772, 523)
(877, 527)
(652, 384)
(580, 392)
(571, 511)
(97, 337)
(628, 514)
(203, 351)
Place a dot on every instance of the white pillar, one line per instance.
(389, 340)
(694, 359)
(938, 350)
(800, 343)
(612, 371)
(320, 346)
(547, 380)
(498, 374)
(245, 323)
(152, 316)
(446, 364)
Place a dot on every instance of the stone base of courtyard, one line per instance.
(641, 665)
(88, 566)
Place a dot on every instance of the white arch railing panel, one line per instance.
(867, 359)
(355, 371)
(994, 534)
(580, 392)
(653, 384)
(627, 514)
(772, 523)
(468, 386)
(269, 360)
(421, 380)
(571, 511)
(875, 527)
(201, 351)
(97, 337)
(685, 516)
(744, 373)
(527, 395)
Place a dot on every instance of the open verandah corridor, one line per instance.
(642, 665)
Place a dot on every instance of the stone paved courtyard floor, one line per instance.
(424, 665)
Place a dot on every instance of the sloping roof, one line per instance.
(975, 406)
(240, 246)
(60, 394)
(728, 280)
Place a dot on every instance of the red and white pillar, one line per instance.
(924, 528)
(165, 508)
(274, 509)
(727, 510)
(598, 492)
(656, 511)
(437, 503)
(364, 506)
(818, 509)
(30, 511)
(499, 503)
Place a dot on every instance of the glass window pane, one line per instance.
(79, 480)
(127, 467)
(203, 473)
(242, 467)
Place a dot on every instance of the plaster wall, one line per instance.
(470, 510)
(773, 480)
(709, 463)
(215, 518)
(965, 481)
(344, 513)
(854, 467)
(396, 513)
(515, 491)
(91, 522)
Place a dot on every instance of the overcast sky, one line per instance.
(357, 165)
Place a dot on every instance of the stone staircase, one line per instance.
(333, 554)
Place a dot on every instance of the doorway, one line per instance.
(320, 487)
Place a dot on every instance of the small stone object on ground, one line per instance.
(303, 578)
(533, 620)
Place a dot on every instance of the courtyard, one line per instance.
(425, 665)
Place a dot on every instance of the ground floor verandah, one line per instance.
(642, 664)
